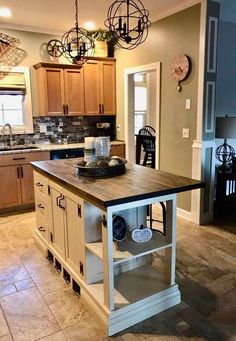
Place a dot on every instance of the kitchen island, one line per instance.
(124, 282)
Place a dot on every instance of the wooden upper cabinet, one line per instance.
(108, 87)
(71, 90)
(92, 87)
(60, 91)
(54, 91)
(100, 87)
(74, 91)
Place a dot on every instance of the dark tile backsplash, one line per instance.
(74, 128)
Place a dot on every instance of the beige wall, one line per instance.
(168, 37)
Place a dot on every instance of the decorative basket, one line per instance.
(101, 171)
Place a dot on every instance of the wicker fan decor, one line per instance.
(7, 47)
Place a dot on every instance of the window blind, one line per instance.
(12, 82)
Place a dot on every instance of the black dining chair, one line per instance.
(148, 142)
(151, 130)
(148, 139)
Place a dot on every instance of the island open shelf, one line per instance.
(129, 249)
(121, 283)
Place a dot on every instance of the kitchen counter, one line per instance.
(50, 146)
(132, 185)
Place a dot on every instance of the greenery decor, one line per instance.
(105, 36)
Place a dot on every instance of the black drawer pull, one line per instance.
(40, 206)
(18, 158)
(42, 229)
(39, 184)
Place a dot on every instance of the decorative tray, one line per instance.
(95, 170)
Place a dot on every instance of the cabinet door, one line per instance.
(54, 91)
(58, 222)
(27, 184)
(74, 91)
(10, 186)
(74, 235)
(92, 88)
(108, 87)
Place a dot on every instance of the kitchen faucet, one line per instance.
(7, 125)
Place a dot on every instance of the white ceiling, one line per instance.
(57, 16)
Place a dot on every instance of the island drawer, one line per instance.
(40, 184)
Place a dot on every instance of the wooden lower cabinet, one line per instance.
(67, 227)
(10, 186)
(16, 176)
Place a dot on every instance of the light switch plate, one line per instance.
(188, 104)
(186, 133)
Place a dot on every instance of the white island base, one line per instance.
(120, 283)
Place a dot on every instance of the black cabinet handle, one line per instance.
(63, 109)
(42, 229)
(102, 108)
(39, 184)
(40, 206)
(18, 158)
(22, 172)
(58, 201)
(18, 173)
(67, 109)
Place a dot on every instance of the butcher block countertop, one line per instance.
(137, 183)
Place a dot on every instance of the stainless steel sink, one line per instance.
(19, 147)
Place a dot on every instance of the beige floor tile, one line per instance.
(24, 284)
(68, 309)
(13, 274)
(28, 316)
(6, 338)
(7, 290)
(55, 337)
(3, 325)
(87, 330)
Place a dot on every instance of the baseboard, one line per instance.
(184, 214)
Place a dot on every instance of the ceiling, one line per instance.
(57, 16)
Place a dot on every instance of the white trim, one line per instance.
(210, 114)
(27, 107)
(197, 147)
(184, 214)
(212, 68)
(175, 9)
(201, 69)
(128, 106)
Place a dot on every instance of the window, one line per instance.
(140, 107)
(11, 110)
(15, 100)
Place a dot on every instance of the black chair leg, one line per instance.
(164, 216)
(145, 159)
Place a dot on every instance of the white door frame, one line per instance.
(129, 108)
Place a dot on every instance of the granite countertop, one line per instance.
(49, 147)
(128, 187)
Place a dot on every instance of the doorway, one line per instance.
(145, 108)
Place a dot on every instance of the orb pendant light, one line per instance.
(78, 46)
(128, 21)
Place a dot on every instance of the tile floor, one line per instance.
(35, 304)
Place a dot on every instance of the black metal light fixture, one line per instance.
(128, 21)
(226, 129)
(78, 46)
